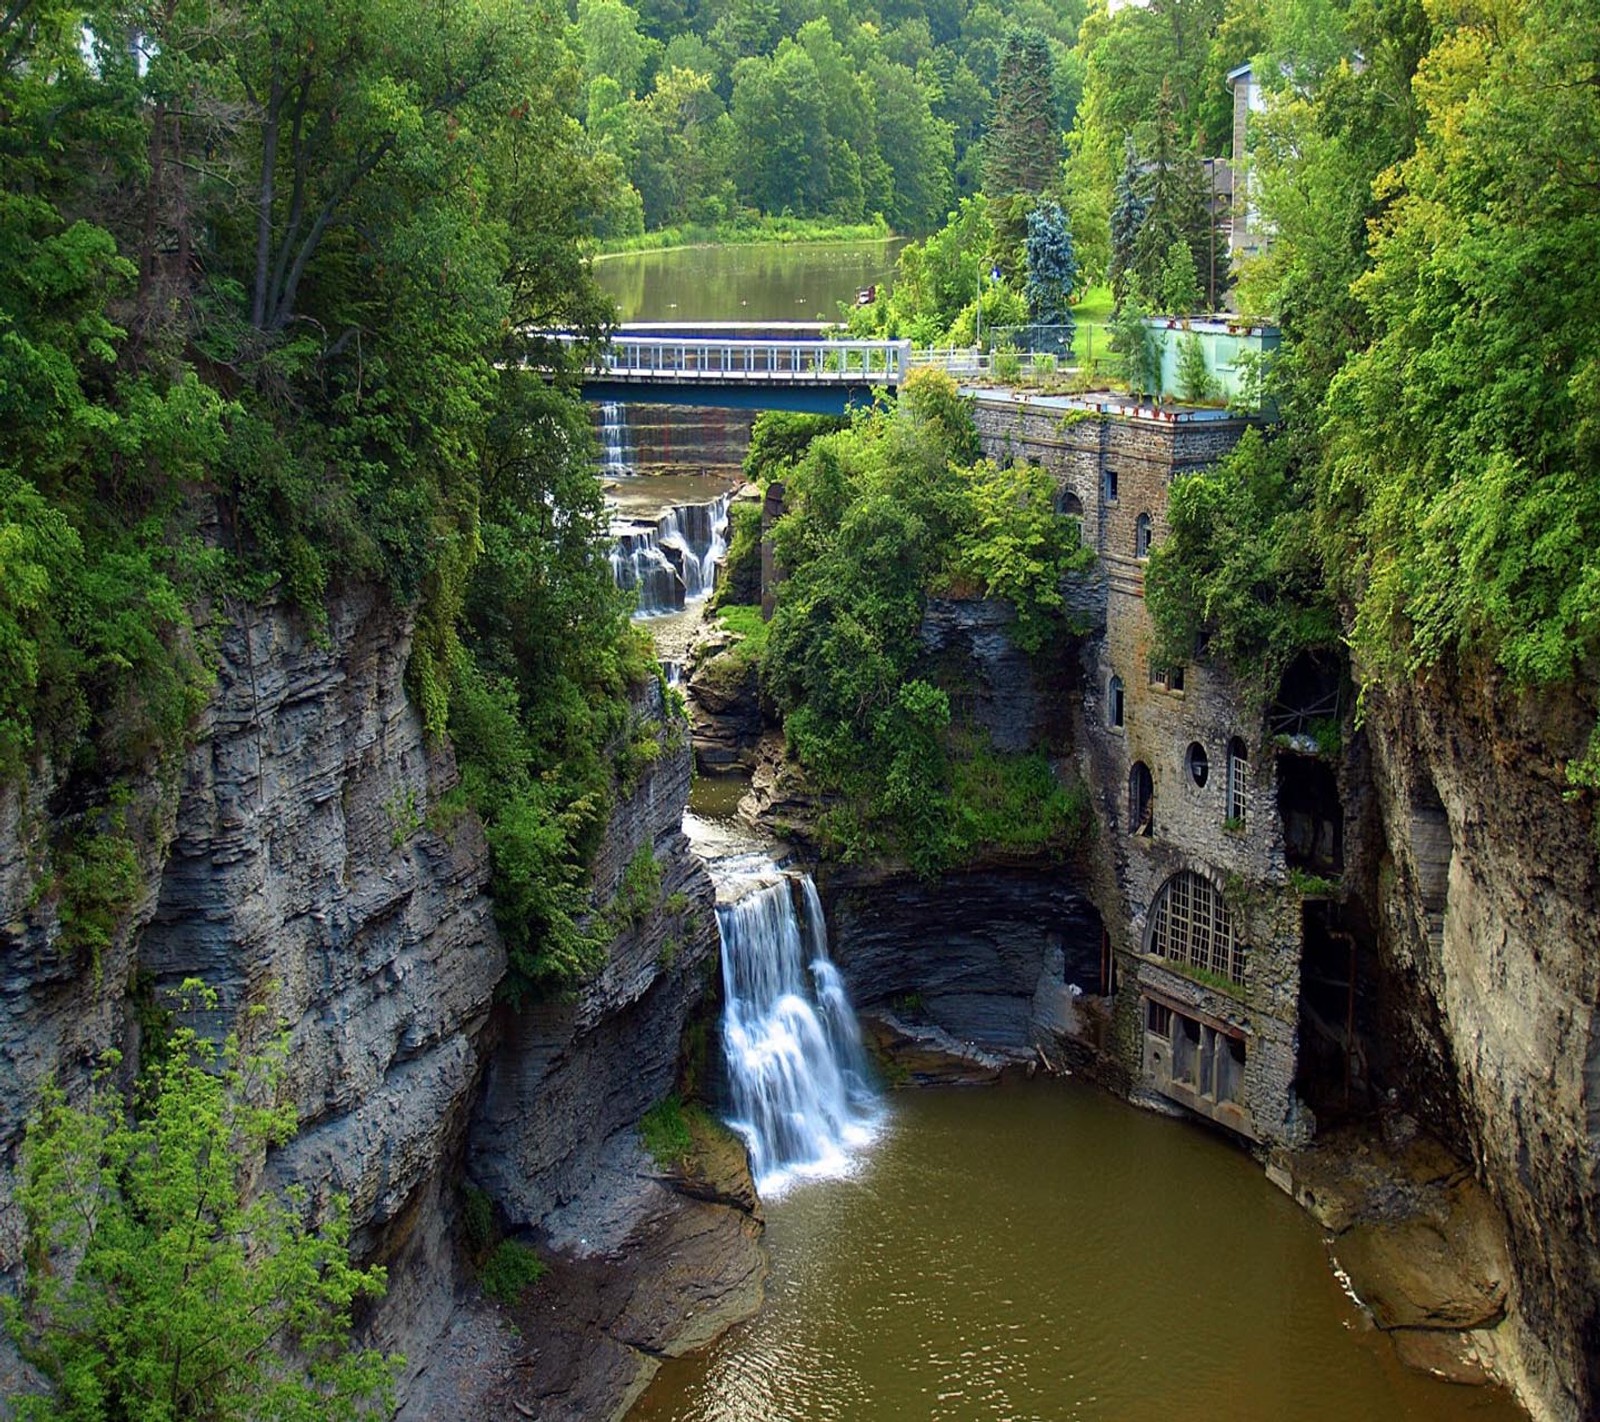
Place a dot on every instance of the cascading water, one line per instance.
(802, 1093)
(616, 458)
(671, 561)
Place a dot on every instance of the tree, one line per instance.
(1130, 339)
(1052, 274)
(159, 1284)
(780, 113)
(1023, 153)
(1178, 290)
(1127, 217)
(1173, 189)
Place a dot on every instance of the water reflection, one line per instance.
(767, 281)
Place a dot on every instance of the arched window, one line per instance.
(1199, 764)
(1141, 799)
(1238, 774)
(1114, 701)
(1141, 536)
(1069, 504)
(1192, 927)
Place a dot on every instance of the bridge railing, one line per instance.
(788, 362)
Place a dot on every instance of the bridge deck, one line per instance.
(638, 359)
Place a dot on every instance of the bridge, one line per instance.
(763, 367)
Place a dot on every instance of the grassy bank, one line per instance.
(728, 234)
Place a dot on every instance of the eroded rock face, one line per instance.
(291, 863)
(968, 641)
(1486, 897)
(724, 707)
(967, 953)
(307, 872)
(572, 1076)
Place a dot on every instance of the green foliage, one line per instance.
(1132, 342)
(747, 622)
(665, 1134)
(477, 1219)
(1195, 382)
(1022, 153)
(1052, 276)
(1242, 565)
(1015, 804)
(97, 875)
(934, 281)
(510, 1270)
(1006, 365)
(881, 516)
(638, 891)
(1178, 286)
(779, 437)
(1463, 478)
(739, 583)
(156, 1285)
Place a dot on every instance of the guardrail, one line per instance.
(653, 359)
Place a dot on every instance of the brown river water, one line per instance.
(1042, 1251)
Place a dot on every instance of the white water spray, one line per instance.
(803, 1097)
(616, 459)
(672, 560)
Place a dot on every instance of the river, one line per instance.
(1039, 1250)
(764, 281)
(1044, 1251)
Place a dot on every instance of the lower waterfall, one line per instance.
(803, 1096)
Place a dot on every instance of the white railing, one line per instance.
(696, 360)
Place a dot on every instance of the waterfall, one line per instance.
(802, 1093)
(616, 459)
(672, 560)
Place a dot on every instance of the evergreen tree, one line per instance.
(1127, 217)
(1023, 151)
(1177, 209)
(1052, 273)
(1179, 293)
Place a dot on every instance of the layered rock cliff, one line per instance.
(303, 857)
(1485, 886)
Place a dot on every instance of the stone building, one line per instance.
(1198, 840)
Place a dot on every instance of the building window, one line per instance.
(1192, 927)
(1238, 771)
(1068, 504)
(1199, 765)
(1109, 483)
(1114, 699)
(1157, 1019)
(1141, 800)
(1167, 678)
(1207, 1061)
(1141, 536)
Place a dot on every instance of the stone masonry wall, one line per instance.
(1082, 448)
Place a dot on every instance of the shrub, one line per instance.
(154, 1286)
(509, 1270)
